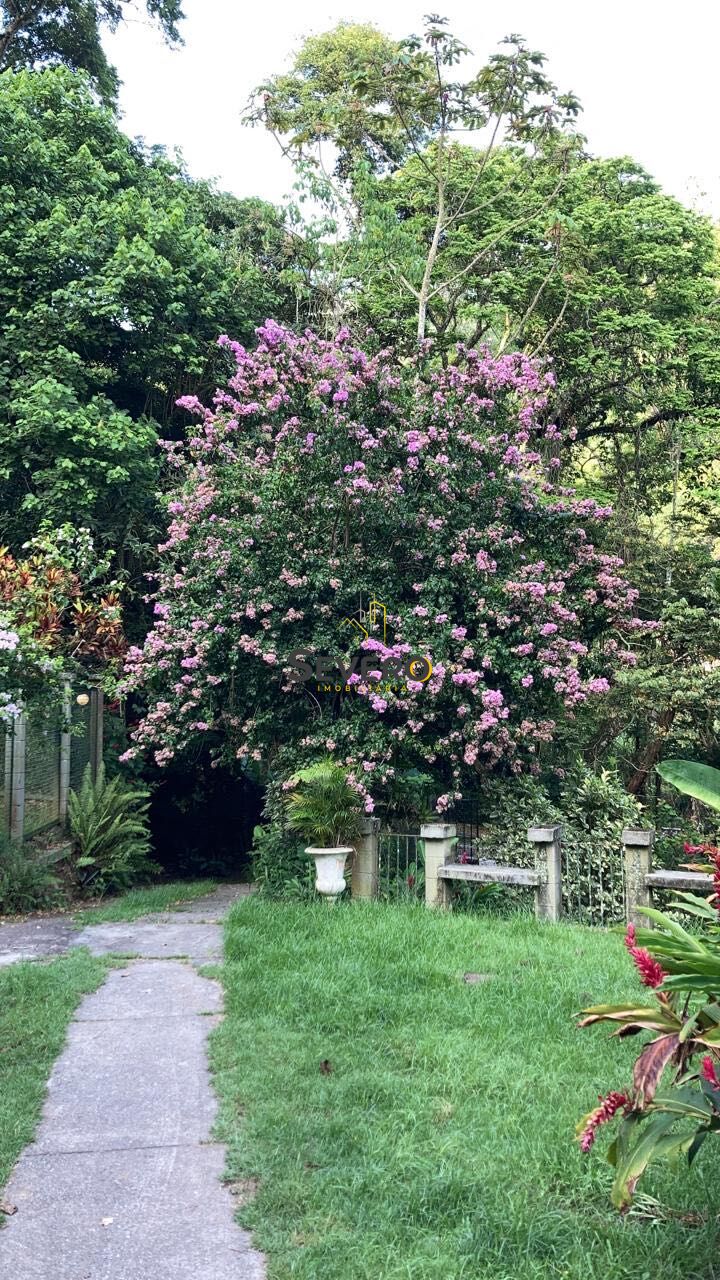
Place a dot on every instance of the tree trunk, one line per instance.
(651, 755)
(435, 242)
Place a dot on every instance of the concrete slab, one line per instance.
(132, 1215)
(154, 938)
(123, 1182)
(151, 988)
(33, 939)
(128, 1084)
(214, 906)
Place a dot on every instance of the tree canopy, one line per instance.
(323, 477)
(117, 273)
(46, 33)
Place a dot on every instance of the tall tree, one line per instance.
(46, 33)
(381, 103)
(117, 274)
(523, 240)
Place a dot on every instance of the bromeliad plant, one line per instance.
(683, 972)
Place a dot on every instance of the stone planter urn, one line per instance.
(330, 869)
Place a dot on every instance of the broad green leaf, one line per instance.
(672, 927)
(685, 1101)
(700, 781)
(654, 1142)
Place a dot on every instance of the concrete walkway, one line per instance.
(52, 935)
(122, 1181)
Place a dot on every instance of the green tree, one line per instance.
(381, 102)
(525, 241)
(117, 274)
(42, 33)
(324, 478)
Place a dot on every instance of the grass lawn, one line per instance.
(440, 1143)
(37, 1002)
(142, 902)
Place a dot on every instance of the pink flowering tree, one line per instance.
(322, 478)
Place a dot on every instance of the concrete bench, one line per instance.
(441, 871)
(690, 881)
(490, 873)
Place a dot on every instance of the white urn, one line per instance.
(330, 869)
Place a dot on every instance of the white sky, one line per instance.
(646, 73)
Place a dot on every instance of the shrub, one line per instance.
(655, 1123)
(281, 868)
(110, 834)
(27, 882)
(683, 971)
(592, 808)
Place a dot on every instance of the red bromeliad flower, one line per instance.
(707, 1071)
(651, 972)
(607, 1109)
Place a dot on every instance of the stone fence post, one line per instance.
(366, 862)
(548, 862)
(438, 839)
(637, 860)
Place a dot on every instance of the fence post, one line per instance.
(637, 861)
(96, 731)
(17, 779)
(367, 860)
(438, 838)
(7, 784)
(65, 738)
(548, 861)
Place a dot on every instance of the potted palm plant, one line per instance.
(326, 811)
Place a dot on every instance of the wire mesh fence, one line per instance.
(40, 757)
(43, 732)
(5, 780)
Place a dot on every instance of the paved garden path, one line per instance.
(122, 1181)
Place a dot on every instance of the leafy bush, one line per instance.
(344, 460)
(110, 834)
(281, 868)
(683, 971)
(592, 808)
(27, 882)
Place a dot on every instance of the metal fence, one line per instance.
(42, 756)
(401, 866)
(593, 876)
